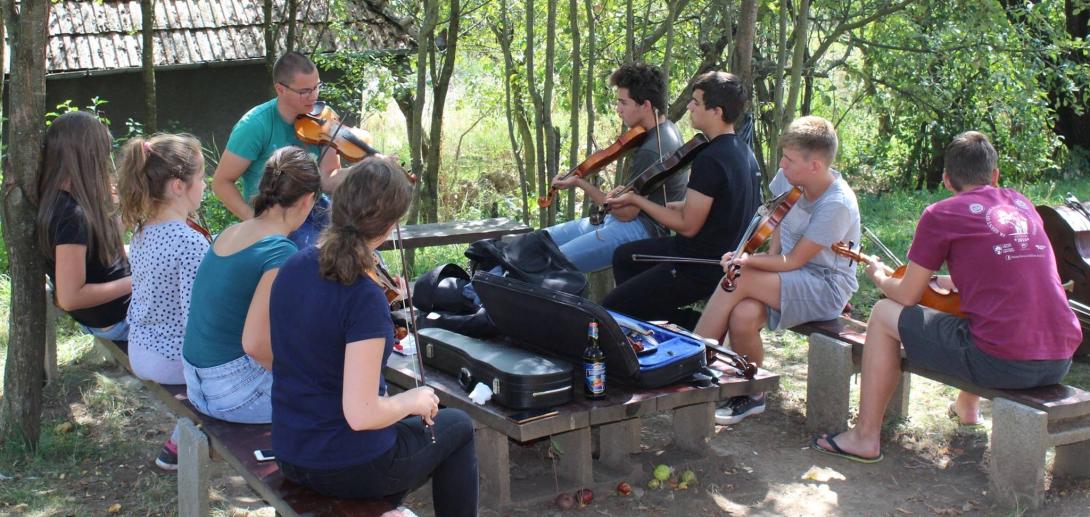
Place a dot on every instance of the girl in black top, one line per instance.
(79, 234)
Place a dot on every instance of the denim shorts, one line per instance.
(942, 342)
(237, 391)
(117, 332)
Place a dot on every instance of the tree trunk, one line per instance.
(741, 58)
(293, 10)
(151, 111)
(270, 46)
(591, 25)
(20, 413)
(430, 198)
(416, 138)
(576, 90)
(552, 144)
(535, 97)
(504, 34)
(802, 38)
(629, 35)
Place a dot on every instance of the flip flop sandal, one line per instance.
(840, 453)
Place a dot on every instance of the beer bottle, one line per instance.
(594, 366)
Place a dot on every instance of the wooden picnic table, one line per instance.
(455, 232)
(617, 417)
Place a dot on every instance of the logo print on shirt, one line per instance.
(1004, 221)
(976, 208)
(1020, 204)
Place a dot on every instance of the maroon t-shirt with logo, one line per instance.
(999, 257)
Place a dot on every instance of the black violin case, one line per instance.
(555, 323)
(1068, 229)
(519, 379)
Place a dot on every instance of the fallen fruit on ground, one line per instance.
(654, 484)
(585, 496)
(624, 488)
(688, 476)
(564, 501)
(662, 472)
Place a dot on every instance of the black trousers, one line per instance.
(659, 290)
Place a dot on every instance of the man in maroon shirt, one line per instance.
(1018, 331)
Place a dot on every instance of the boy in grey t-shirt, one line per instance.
(799, 278)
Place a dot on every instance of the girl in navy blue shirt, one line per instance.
(335, 429)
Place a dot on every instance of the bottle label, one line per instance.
(596, 377)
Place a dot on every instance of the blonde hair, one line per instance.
(147, 166)
(812, 134)
(374, 195)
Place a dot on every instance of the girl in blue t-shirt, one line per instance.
(226, 352)
(78, 234)
(161, 182)
(335, 428)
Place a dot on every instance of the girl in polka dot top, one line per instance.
(161, 182)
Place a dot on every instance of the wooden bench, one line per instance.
(1025, 423)
(202, 435)
(456, 232)
(617, 419)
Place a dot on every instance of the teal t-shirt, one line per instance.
(258, 134)
(222, 291)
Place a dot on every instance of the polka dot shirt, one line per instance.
(164, 259)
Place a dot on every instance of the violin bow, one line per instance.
(418, 359)
(882, 247)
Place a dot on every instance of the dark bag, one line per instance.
(445, 301)
(519, 379)
(555, 323)
(532, 258)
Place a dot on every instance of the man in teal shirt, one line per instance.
(266, 128)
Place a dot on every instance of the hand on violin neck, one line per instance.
(561, 182)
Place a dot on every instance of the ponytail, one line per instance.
(147, 166)
(290, 173)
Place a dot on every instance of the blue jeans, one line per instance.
(117, 332)
(318, 218)
(237, 391)
(591, 247)
(450, 462)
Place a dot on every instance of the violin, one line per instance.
(934, 297)
(760, 229)
(389, 285)
(654, 176)
(595, 162)
(197, 227)
(322, 126)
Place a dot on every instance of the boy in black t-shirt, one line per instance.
(723, 193)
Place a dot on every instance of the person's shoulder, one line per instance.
(258, 116)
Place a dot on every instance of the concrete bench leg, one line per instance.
(1072, 460)
(193, 466)
(828, 384)
(51, 315)
(616, 441)
(494, 465)
(693, 426)
(576, 465)
(1019, 441)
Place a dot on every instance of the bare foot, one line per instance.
(851, 444)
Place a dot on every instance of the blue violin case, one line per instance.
(555, 323)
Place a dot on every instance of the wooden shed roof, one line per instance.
(91, 36)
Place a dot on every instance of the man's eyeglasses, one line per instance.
(305, 92)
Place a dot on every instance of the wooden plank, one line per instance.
(457, 232)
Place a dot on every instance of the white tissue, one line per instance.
(480, 394)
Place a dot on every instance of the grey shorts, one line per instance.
(941, 342)
(808, 294)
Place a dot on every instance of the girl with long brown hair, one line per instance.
(227, 356)
(336, 429)
(161, 182)
(79, 234)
